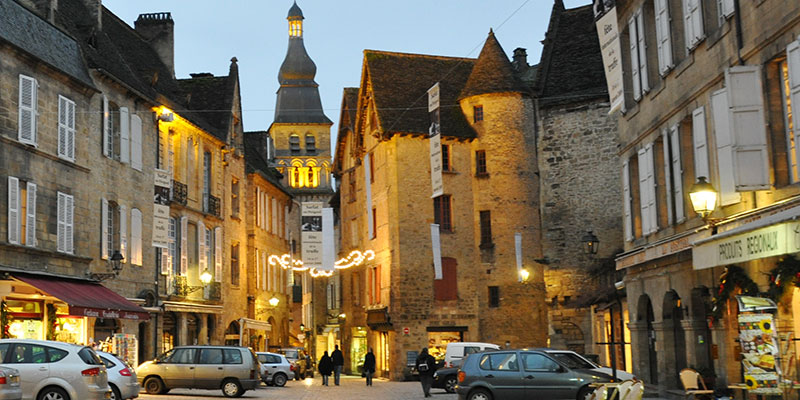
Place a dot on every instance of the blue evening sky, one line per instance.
(209, 32)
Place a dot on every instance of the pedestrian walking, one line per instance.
(426, 366)
(338, 362)
(369, 366)
(325, 367)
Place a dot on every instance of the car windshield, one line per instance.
(290, 354)
(572, 361)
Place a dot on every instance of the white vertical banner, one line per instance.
(434, 132)
(161, 185)
(608, 34)
(328, 246)
(437, 252)
(518, 249)
(311, 233)
(368, 187)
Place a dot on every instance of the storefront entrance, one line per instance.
(439, 337)
(358, 348)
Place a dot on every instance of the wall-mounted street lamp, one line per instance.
(590, 243)
(166, 115)
(524, 275)
(273, 302)
(115, 262)
(205, 279)
(704, 197)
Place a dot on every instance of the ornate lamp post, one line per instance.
(590, 243)
(704, 197)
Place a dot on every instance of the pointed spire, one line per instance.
(234, 69)
(493, 72)
(295, 12)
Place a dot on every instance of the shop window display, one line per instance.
(437, 343)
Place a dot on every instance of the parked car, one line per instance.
(456, 351)
(523, 374)
(9, 384)
(55, 370)
(275, 369)
(576, 361)
(446, 378)
(293, 355)
(234, 370)
(121, 377)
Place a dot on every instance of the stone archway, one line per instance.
(645, 336)
(673, 345)
(699, 337)
(232, 334)
(273, 336)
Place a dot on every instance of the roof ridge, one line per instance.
(418, 55)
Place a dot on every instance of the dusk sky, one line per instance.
(209, 32)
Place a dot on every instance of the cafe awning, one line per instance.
(86, 298)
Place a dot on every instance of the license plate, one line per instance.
(14, 379)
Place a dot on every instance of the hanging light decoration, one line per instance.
(354, 259)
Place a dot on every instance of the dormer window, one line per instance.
(311, 144)
(294, 144)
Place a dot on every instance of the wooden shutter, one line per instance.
(626, 200)
(136, 142)
(184, 245)
(725, 8)
(693, 22)
(677, 173)
(746, 102)
(124, 135)
(70, 224)
(447, 287)
(218, 254)
(644, 196)
(202, 246)
(166, 261)
(635, 71)
(701, 167)
(14, 221)
(30, 217)
(663, 36)
(62, 127)
(286, 222)
(724, 142)
(668, 176)
(136, 237)
(123, 234)
(108, 137)
(651, 186)
(104, 229)
(793, 65)
(274, 216)
(61, 232)
(27, 109)
(642, 47)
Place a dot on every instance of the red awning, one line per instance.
(86, 299)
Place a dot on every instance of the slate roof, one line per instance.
(571, 68)
(256, 162)
(347, 120)
(295, 11)
(25, 30)
(210, 98)
(400, 82)
(493, 72)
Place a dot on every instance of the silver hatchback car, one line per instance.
(55, 370)
(275, 369)
(9, 384)
(121, 377)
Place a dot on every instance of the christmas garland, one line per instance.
(786, 273)
(733, 277)
(52, 321)
(5, 321)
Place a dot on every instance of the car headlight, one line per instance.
(435, 374)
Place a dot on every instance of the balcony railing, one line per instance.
(212, 205)
(179, 192)
(212, 291)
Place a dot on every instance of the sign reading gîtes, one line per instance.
(608, 34)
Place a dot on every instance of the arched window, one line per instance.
(311, 143)
(294, 144)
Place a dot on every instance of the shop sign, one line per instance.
(608, 35)
(769, 241)
(106, 314)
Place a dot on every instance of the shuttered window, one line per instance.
(746, 115)
(725, 9)
(647, 189)
(627, 200)
(65, 211)
(677, 174)
(663, 36)
(106, 237)
(136, 237)
(66, 128)
(235, 264)
(123, 234)
(790, 86)
(724, 141)
(124, 135)
(218, 254)
(441, 212)
(638, 54)
(30, 214)
(14, 219)
(700, 140)
(202, 246)
(28, 109)
(108, 129)
(184, 246)
(693, 22)
(447, 288)
(136, 142)
(169, 263)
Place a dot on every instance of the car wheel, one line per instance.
(53, 393)
(232, 388)
(115, 394)
(153, 385)
(279, 380)
(479, 394)
(450, 383)
(585, 393)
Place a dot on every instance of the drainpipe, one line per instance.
(737, 15)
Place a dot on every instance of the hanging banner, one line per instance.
(608, 35)
(518, 251)
(162, 183)
(434, 132)
(760, 353)
(328, 245)
(437, 252)
(368, 188)
(311, 234)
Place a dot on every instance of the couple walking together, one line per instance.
(335, 362)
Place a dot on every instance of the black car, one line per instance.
(446, 378)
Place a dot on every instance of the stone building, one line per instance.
(710, 94)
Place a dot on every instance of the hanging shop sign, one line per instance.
(769, 241)
(311, 234)
(435, 134)
(608, 34)
(161, 196)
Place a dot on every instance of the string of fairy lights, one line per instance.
(354, 259)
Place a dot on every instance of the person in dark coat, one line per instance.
(338, 362)
(369, 366)
(325, 367)
(426, 366)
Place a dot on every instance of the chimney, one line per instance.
(158, 29)
(95, 8)
(44, 8)
(520, 62)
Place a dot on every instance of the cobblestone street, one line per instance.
(351, 388)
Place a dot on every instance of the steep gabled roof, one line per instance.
(400, 82)
(211, 98)
(571, 68)
(347, 120)
(256, 162)
(493, 72)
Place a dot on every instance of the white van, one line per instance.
(456, 351)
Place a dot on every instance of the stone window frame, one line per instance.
(477, 113)
(480, 163)
(494, 296)
(443, 212)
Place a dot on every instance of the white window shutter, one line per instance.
(62, 222)
(274, 216)
(104, 247)
(793, 64)
(136, 237)
(264, 267)
(108, 137)
(136, 142)
(286, 222)
(14, 221)
(124, 135)
(626, 200)
(651, 185)
(746, 102)
(640, 34)
(693, 22)
(644, 196)
(663, 36)
(70, 130)
(258, 206)
(166, 261)
(184, 245)
(634, 43)
(27, 110)
(668, 175)
(724, 142)
(677, 173)
(201, 246)
(62, 127)
(725, 8)
(70, 224)
(218, 254)
(123, 233)
(701, 167)
(258, 269)
(30, 217)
